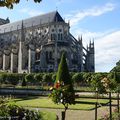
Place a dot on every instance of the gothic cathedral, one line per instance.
(36, 45)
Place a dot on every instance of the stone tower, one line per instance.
(90, 58)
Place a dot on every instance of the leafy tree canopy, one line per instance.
(9, 3)
(117, 67)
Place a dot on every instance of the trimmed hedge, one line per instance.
(39, 79)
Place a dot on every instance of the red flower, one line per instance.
(57, 85)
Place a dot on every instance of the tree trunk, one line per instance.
(64, 113)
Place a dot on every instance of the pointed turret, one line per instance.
(68, 22)
(22, 32)
(87, 47)
(80, 39)
(93, 43)
(90, 44)
(92, 47)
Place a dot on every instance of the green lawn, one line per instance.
(45, 102)
(48, 115)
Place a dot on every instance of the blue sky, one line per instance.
(93, 19)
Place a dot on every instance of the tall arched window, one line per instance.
(50, 54)
(46, 55)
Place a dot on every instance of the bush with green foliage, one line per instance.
(3, 78)
(78, 78)
(13, 79)
(30, 78)
(87, 76)
(97, 84)
(10, 109)
(47, 78)
(39, 78)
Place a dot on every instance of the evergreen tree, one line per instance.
(63, 91)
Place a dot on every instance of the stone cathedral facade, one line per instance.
(36, 45)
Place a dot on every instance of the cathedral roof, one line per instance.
(3, 21)
(33, 21)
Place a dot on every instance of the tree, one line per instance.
(87, 76)
(77, 78)
(13, 79)
(63, 91)
(116, 68)
(47, 78)
(38, 78)
(9, 3)
(97, 82)
(29, 78)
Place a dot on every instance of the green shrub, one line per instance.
(77, 78)
(3, 78)
(47, 78)
(13, 79)
(10, 109)
(38, 78)
(30, 78)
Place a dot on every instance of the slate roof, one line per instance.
(3, 21)
(33, 21)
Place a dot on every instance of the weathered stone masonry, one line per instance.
(36, 44)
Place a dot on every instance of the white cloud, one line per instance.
(75, 17)
(107, 51)
(88, 35)
(59, 2)
(31, 12)
(107, 47)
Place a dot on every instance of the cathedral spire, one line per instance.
(80, 39)
(87, 47)
(22, 32)
(90, 44)
(93, 43)
(68, 22)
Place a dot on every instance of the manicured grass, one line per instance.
(92, 101)
(82, 88)
(45, 102)
(48, 115)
